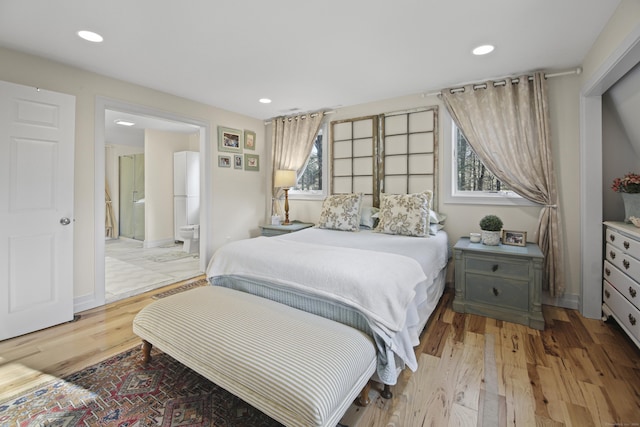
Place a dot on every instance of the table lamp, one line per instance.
(285, 179)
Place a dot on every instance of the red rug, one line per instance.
(122, 392)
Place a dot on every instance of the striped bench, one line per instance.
(296, 367)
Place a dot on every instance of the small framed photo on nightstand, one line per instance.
(514, 238)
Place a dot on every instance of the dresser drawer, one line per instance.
(499, 267)
(500, 292)
(625, 313)
(623, 243)
(623, 283)
(626, 263)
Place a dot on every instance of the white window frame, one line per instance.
(449, 177)
(317, 194)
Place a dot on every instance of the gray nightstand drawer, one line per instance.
(498, 291)
(497, 266)
(503, 282)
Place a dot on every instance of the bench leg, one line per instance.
(363, 399)
(146, 351)
(386, 392)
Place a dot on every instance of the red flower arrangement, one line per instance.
(630, 183)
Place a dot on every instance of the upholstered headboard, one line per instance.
(394, 153)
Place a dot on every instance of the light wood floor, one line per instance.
(473, 371)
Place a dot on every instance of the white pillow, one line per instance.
(368, 216)
(405, 214)
(341, 212)
(436, 217)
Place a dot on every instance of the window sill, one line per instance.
(488, 199)
(307, 196)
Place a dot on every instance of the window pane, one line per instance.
(472, 174)
(311, 178)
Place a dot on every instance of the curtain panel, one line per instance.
(507, 125)
(292, 141)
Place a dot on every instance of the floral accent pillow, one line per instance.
(405, 214)
(341, 212)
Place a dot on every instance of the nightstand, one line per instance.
(503, 282)
(277, 230)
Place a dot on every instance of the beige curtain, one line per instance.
(110, 218)
(292, 140)
(507, 125)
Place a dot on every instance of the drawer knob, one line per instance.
(612, 254)
(495, 292)
(626, 244)
(625, 263)
(494, 268)
(632, 320)
(612, 237)
(607, 294)
(632, 292)
(607, 271)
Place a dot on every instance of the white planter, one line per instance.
(491, 238)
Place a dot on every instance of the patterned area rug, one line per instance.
(181, 288)
(122, 392)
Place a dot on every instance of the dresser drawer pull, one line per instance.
(607, 271)
(607, 294)
(632, 292)
(612, 254)
(625, 263)
(632, 320)
(612, 237)
(496, 292)
(494, 268)
(626, 244)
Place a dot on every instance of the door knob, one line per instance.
(65, 221)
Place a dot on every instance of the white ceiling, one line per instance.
(305, 55)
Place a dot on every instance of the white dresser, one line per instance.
(621, 277)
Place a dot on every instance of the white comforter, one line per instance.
(374, 273)
(379, 285)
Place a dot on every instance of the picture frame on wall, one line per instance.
(249, 140)
(229, 140)
(224, 161)
(251, 162)
(514, 238)
(237, 161)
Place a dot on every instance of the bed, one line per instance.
(380, 281)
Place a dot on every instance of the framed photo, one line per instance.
(229, 140)
(237, 161)
(514, 238)
(249, 140)
(224, 161)
(251, 162)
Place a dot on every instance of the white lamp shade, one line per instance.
(284, 179)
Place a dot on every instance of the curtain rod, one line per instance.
(324, 113)
(501, 81)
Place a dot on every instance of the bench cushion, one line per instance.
(296, 367)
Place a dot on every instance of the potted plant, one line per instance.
(629, 188)
(491, 226)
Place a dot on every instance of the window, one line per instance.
(471, 173)
(312, 183)
(465, 179)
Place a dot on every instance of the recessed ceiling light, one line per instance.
(483, 50)
(90, 36)
(265, 100)
(124, 123)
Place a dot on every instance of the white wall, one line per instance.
(235, 193)
(159, 147)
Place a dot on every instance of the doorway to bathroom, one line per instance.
(143, 247)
